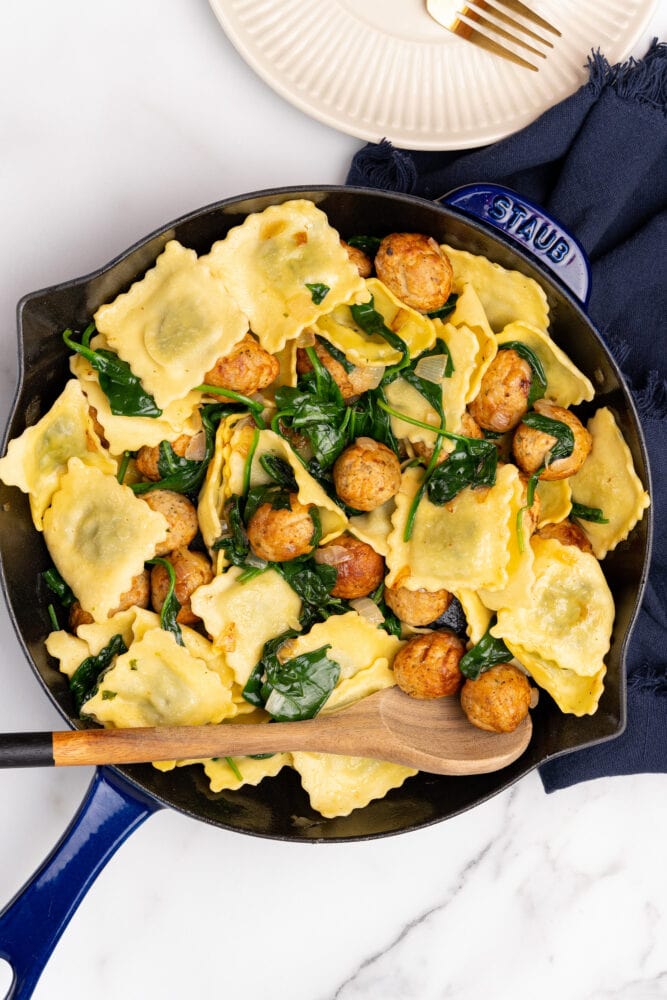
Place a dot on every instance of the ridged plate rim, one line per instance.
(510, 98)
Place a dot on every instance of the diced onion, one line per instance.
(432, 368)
(332, 555)
(368, 378)
(196, 448)
(368, 609)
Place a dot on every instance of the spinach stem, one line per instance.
(122, 469)
(252, 404)
(248, 462)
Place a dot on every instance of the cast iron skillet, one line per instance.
(509, 230)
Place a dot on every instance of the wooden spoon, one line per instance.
(432, 736)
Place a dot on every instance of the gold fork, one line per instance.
(483, 22)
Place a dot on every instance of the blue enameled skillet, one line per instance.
(484, 219)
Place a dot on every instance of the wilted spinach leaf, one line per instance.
(171, 605)
(57, 586)
(122, 388)
(485, 654)
(593, 514)
(85, 677)
(446, 310)
(473, 462)
(318, 291)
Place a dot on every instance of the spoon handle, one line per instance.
(139, 745)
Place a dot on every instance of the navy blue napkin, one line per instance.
(598, 162)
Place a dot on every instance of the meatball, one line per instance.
(359, 259)
(417, 607)
(503, 394)
(360, 568)
(192, 570)
(366, 474)
(137, 596)
(246, 369)
(351, 383)
(567, 533)
(498, 700)
(415, 269)
(147, 457)
(181, 517)
(428, 665)
(531, 447)
(282, 535)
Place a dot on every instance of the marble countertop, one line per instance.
(113, 119)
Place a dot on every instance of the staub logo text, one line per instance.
(529, 227)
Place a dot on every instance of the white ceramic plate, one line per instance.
(384, 68)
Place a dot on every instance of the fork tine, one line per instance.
(520, 8)
(494, 29)
(500, 15)
(465, 30)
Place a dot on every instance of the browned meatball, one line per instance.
(282, 535)
(351, 383)
(428, 665)
(137, 596)
(147, 458)
(360, 568)
(181, 518)
(503, 394)
(417, 607)
(192, 570)
(531, 447)
(247, 368)
(359, 259)
(415, 269)
(498, 700)
(366, 474)
(567, 533)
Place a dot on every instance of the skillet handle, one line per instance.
(32, 923)
(525, 223)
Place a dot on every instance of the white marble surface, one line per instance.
(115, 117)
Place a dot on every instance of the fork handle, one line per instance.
(530, 226)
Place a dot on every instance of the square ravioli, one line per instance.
(285, 266)
(462, 544)
(99, 536)
(173, 325)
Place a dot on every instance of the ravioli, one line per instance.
(608, 480)
(230, 612)
(269, 261)
(37, 460)
(355, 644)
(173, 324)
(517, 588)
(371, 349)
(506, 295)
(374, 526)
(469, 313)
(555, 500)
(463, 544)
(99, 536)
(577, 694)
(157, 682)
(566, 385)
(338, 784)
(224, 777)
(569, 617)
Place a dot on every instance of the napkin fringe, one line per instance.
(642, 80)
(384, 166)
(649, 678)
